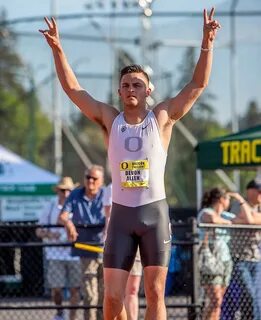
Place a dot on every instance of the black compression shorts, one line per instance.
(146, 227)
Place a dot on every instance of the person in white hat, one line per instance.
(63, 270)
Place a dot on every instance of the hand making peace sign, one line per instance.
(210, 25)
(51, 34)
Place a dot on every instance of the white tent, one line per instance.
(24, 188)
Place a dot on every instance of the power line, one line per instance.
(159, 14)
(75, 37)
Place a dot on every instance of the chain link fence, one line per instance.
(25, 291)
(229, 267)
(213, 271)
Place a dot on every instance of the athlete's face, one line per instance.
(134, 89)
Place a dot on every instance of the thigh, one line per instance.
(56, 274)
(121, 243)
(74, 273)
(90, 286)
(90, 266)
(155, 240)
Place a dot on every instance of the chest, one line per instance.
(143, 138)
(87, 211)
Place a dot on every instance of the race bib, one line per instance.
(134, 173)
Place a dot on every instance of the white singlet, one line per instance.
(137, 160)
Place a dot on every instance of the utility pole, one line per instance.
(146, 6)
(233, 81)
(31, 129)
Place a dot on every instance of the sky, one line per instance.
(98, 57)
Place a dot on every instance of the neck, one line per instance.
(90, 193)
(135, 115)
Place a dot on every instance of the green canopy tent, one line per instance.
(25, 189)
(238, 150)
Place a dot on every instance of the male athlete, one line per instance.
(138, 140)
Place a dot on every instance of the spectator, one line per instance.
(131, 299)
(253, 194)
(241, 296)
(216, 263)
(86, 208)
(63, 270)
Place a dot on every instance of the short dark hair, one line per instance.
(253, 184)
(134, 68)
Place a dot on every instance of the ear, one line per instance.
(119, 92)
(148, 92)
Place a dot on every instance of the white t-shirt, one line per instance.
(50, 216)
(107, 196)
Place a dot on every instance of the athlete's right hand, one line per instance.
(51, 35)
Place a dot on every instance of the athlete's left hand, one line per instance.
(210, 26)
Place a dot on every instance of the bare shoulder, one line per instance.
(162, 115)
(109, 113)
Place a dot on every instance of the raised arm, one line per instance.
(96, 111)
(177, 107)
(245, 215)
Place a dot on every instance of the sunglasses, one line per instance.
(88, 177)
(64, 190)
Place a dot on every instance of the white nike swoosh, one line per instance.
(167, 241)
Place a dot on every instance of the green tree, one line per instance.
(91, 139)
(23, 127)
(201, 122)
(252, 116)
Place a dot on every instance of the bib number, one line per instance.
(134, 173)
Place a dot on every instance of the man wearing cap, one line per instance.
(253, 190)
(63, 270)
(84, 206)
(243, 295)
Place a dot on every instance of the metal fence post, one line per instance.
(193, 313)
